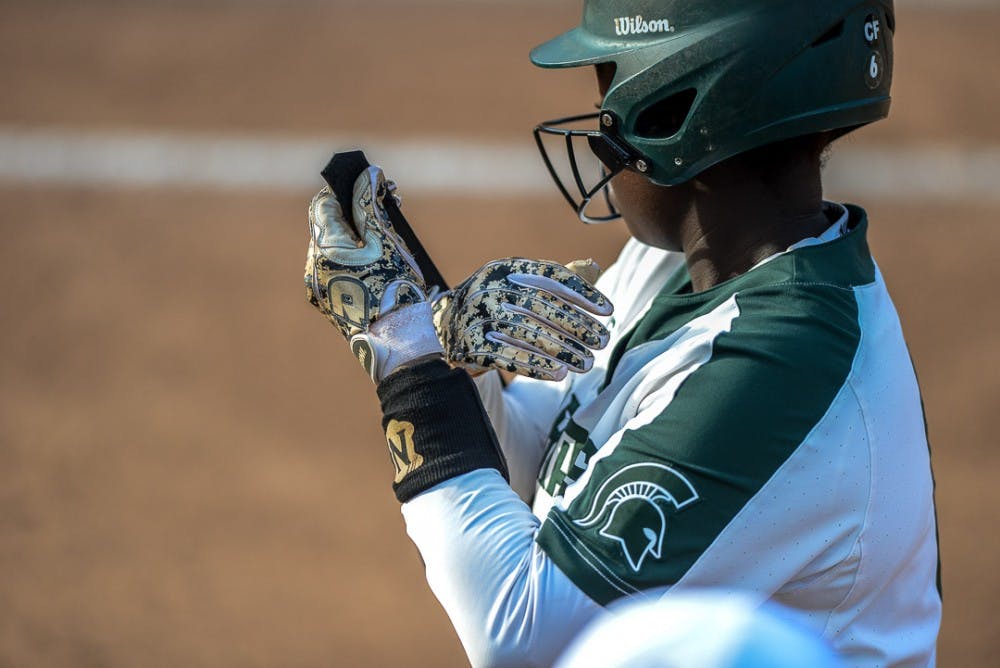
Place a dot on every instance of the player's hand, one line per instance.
(364, 280)
(529, 317)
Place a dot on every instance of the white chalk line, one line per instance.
(426, 165)
(266, 163)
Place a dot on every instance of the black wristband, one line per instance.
(436, 427)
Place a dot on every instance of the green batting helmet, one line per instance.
(697, 82)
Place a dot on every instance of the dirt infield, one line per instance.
(191, 469)
(191, 476)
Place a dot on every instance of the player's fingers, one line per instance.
(543, 341)
(526, 334)
(562, 283)
(557, 315)
(543, 307)
(328, 227)
(555, 373)
(518, 361)
(370, 190)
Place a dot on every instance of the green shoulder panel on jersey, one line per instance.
(651, 508)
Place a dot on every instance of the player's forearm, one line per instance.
(508, 601)
(510, 605)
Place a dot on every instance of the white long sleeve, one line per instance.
(510, 605)
(522, 414)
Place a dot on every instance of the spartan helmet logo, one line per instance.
(631, 507)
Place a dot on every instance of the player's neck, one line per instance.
(733, 225)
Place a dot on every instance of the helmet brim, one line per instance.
(576, 48)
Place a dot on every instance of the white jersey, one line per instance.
(763, 436)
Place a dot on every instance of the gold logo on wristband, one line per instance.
(399, 436)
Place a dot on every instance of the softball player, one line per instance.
(747, 419)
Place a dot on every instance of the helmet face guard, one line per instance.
(613, 152)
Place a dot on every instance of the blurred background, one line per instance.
(191, 467)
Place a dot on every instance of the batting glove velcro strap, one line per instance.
(436, 427)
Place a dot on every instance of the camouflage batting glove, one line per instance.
(364, 279)
(529, 317)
